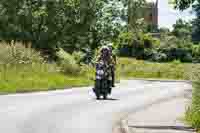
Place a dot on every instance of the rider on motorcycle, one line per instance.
(105, 57)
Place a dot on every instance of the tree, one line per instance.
(48, 24)
(111, 20)
(135, 10)
(182, 29)
(196, 23)
(184, 4)
(164, 30)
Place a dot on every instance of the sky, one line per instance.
(168, 16)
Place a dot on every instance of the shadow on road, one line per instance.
(108, 99)
(180, 128)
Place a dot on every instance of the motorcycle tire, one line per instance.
(98, 97)
(105, 96)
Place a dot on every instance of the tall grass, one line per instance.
(37, 77)
(16, 53)
(130, 68)
(68, 63)
(23, 69)
(193, 112)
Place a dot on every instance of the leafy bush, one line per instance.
(167, 48)
(83, 57)
(187, 58)
(176, 49)
(196, 53)
(196, 50)
(68, 63)
(78, 56)
(159, 57)
(140, 46)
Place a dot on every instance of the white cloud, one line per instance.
(168, 15)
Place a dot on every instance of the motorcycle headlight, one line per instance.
(100, 72)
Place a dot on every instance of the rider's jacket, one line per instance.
(107, 67)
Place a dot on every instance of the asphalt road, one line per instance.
(77, 110)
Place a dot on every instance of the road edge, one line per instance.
(121, 126)
(124, 126)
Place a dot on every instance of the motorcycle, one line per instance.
(103, 80)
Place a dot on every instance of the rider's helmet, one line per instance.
(105, 51)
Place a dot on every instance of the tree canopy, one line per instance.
(70, 24)
(195, 4)
(182, 4)
(182, 29)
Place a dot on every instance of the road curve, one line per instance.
(77, 111)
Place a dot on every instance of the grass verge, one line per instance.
(38, 77)
(23, 69)
(192, 114)
(131, 68)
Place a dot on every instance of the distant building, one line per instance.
(151, 13)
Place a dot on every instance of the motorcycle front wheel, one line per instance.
(105, 96)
